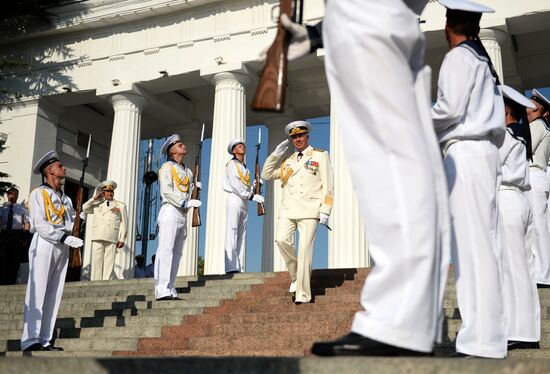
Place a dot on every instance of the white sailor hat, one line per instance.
(517, 97)
(173, 139)
(106, 186)
(233, 143)
(49, 158)
(465, 5)
(539, 98)
(297, 127)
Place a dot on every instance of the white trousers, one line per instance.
(103, 260)
(540, 189)
(235, 233)
(395, 165)
(47, 270)
(521, 298)
(298, 263)
(473, 176)
(172, 234)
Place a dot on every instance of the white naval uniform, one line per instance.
(540, 191)
(109, 228)
(48, 259)
(521, 298)
(468, 119)
(172, 222)
(237, 184)
(308, 189)
(376, 77)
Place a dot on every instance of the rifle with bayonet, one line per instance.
(257, 178)
(270, 92)
(195, 194)
(75, 257)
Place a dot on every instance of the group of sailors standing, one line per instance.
(462, 179)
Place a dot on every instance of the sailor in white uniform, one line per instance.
(176, 185)
(51, 219)
(521, 298)
(540, 183)
(237, 184)
(395, 167)
(469, 122)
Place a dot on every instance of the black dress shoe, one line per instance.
(357, 345)
(232, 272)
(460, 355)
(540, 285)
(176, 298)
(35, 347)
(516, 344)
(165, 298)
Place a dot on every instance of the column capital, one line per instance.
(122, 99)
(496, 35)
(235, 72)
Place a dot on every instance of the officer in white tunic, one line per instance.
(51, 219)
(521, 298)
(540, 185)
(469, 121)
(108, 231)
(240, 191)
(175, 180)
(307, 183)
(395, 167)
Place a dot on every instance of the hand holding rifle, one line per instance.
(195, 195)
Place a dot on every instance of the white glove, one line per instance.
(192, 203)
(281, 148)
(323, 219)
(83, 216)
(73, 241)
(256, 182)
(258, 198)
(199, 185)
(299, 46)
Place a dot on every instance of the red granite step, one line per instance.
(264, 321)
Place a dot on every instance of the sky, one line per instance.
(319, 138)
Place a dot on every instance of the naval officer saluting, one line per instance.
(109, 229)
(51, 219)
(307, 183)
(175, 180)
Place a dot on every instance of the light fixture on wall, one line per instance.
(115, 82)
(163, 72)
(219, 60)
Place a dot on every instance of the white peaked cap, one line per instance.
(170, 141)
(514, 95)
(233, 143)
(111, 185)
(536, 93)
(49, 158)
(297, 127)
(465, 5)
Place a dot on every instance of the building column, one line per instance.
(188, 263)
(347, 244)
(271, 256)
(229, 122)
(492, 40)
(123, 169)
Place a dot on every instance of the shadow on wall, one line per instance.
(35, 70)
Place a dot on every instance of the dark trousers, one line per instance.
(14, 246)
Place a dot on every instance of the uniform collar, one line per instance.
(60, 192)
(237, 160)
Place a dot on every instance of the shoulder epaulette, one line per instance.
(318, 149)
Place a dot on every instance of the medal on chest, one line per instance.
(312, 166)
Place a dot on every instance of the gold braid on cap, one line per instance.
(178, 182)
(245, 179)
(49, 207)
(298, 130)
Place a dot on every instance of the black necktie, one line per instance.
(107, 204)
(9, 224)
(300, 154)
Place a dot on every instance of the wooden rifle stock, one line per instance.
(75, 257)
(270, 93)
(195, 195)
(258, 187)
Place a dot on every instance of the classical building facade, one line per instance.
(126, 70)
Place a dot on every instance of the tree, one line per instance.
(200, 266)
(4, 185)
